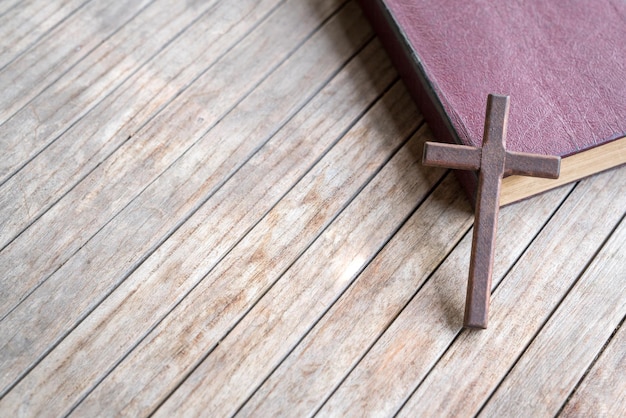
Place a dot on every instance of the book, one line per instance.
(562, 63)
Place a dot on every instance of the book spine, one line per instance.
(409, 68)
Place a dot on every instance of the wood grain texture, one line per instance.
(48, 115)
(7, 5)
(403, 355)
(93, 137)
(164, 279)
(23, 25)
(151, 151)
(590, 312)
(249, 270)
(275, 325)
(145, 222)
(60, 50)
(603, 391)
(483, 358)
(259, 259)
(221, 210)
(310, 372)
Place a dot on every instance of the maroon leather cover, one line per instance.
(562, 62)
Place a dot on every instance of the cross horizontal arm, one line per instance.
(546, 166)
(451, 156)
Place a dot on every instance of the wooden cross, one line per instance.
(493, 161)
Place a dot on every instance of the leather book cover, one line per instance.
(562, 62)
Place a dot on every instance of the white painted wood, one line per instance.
(143, 224)
(27, 76)
(385, 376)
(259, 260)
(149, 293)
(97, 134)
(564, 349)
(603, 391)
(74, 220)
(23, 25)
(524, 300)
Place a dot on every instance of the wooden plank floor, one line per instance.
(217, 208)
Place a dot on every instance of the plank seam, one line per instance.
(171, 232)
(87, 53)
(43, 35)
(552, 312)
(406, 400)
(461, 330)
(138, 129)
(296, 258)
(185, 217)
(113, 216)
(590, 368)
(11, 8)
(152, 58)
(354, 278)
(602, 350)
(419, 288)
(531, 242)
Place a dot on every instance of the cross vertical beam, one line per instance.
(492, 161)
(486, 218)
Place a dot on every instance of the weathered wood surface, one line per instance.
(603, 391)
(308, 288)
(21, 26)
(439, 306)
(222, 221)
(114, 120)
(61, 49)
(7, 5)
(142, 159)
(33, 127)
(591, 310)
(168, 199)
(210, 206)
(524, 301)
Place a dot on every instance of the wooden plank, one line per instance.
(603, 391)
(319, 364)
(432, 318)
(570, 341)
(34, 188)
(524, 301)
(151, 255)
(22, 26)
(36, 325)
(61, 49)
(249, 353)
(107, 334)
(7, 5)
(76, 92)
(229, 290)
(70, 223)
